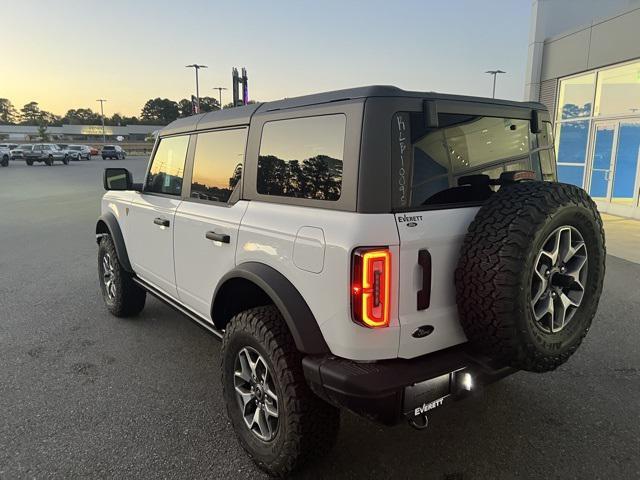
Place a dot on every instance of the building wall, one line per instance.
(584, 65)
(571, 36)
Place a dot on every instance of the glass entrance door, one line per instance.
(624, 189)
(604, 141)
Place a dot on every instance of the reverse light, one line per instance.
(370, 287)
(465, 381)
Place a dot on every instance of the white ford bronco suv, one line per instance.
(375, 249)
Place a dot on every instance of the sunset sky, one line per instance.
(66, 54)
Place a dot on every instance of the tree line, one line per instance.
(318, 177)
(156, 111)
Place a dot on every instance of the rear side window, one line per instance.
(428, 162)
(217, 164)
(302, 157)
(167, 167)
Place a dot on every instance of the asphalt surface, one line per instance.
(83, 394)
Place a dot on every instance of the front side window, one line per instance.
(302, 157)
(217, 164)
(167, 166)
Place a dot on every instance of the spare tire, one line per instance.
(530, 274)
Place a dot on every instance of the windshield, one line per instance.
(429, 162)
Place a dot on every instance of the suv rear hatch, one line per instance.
(433, 208)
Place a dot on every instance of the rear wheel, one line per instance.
(530, 274)
(65, 160)
(29, 162)
(123, 297)
(278, 420)
(49, 160)
(5, 161)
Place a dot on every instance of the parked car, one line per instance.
(113, 151)
(78, 152)
(47, 153)
(374, 249)
(64, 148)
(19, 152)
(5, 155)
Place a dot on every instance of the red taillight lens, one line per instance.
(370, 286)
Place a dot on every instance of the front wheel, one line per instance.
(49, 161)
(277, 418)
(123, 297)
(29, 162)
(5, 161)
(65, 160)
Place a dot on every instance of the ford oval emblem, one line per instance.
(411, 224)
(423, 331)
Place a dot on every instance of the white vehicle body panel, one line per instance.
(150, 246)
(268, 235)
(310, 247)
(441, 232)
(200, 263)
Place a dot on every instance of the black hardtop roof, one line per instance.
(242, 115)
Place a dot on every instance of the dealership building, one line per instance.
(80, 133)
(584, 65)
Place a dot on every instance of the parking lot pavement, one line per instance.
(623, 237)
(86, 394)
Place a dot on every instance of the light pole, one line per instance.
(102, 100)
(495, 73)
(197, 67)
(220, 93)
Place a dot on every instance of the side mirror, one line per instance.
(117, 179)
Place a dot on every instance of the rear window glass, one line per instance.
(429, 162)
(108, 147)
(302, 157)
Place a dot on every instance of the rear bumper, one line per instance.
(391, 390)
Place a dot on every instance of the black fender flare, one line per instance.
(113, 229)
(298, 316)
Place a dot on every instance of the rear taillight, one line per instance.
(370, 286)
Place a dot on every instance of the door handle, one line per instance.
(218, 237)
(424, 295)
(163, 222)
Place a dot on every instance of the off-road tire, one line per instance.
(5, 161)
(129, 297)
(493, 277)
(307, 426)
